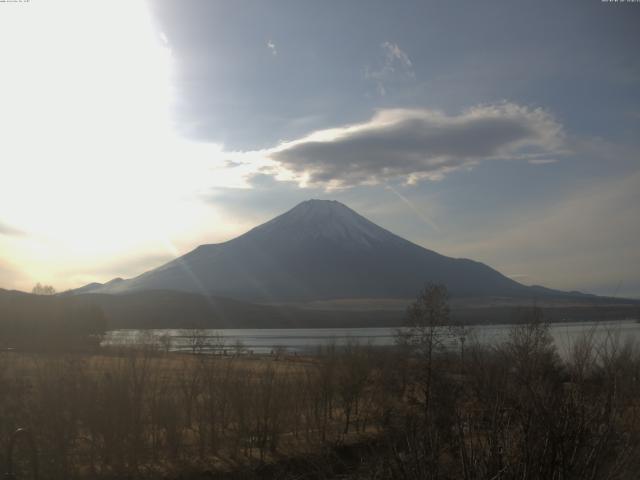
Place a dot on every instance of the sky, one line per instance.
(503, 131)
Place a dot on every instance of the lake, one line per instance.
(306, 340)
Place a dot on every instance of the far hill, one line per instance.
(49, 321)
(43, 317)
(322, 250)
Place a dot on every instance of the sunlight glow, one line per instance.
(90, 165)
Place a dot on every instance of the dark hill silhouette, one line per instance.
(51, 321)
(41, 320)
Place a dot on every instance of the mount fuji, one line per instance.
(320, 250)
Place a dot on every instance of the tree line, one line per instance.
(45, 320)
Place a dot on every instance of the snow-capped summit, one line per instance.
(323, 219)
(320, 249)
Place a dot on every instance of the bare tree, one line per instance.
(40, 289)
(426, 318)
(238, 347)
(197, 340)
(352, 376)
(166, 342)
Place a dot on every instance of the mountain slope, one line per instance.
(320, 250)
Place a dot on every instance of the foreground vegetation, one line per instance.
(416, 411)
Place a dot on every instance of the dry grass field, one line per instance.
(144, 412)
(414, 411)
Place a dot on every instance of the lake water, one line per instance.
(306, 340)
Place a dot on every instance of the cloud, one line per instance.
(542, 161)
(272, 47)
(394, 65)
(394, 54)
(233, 164)
(263, 197)
(414, 144)
(6, 229)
